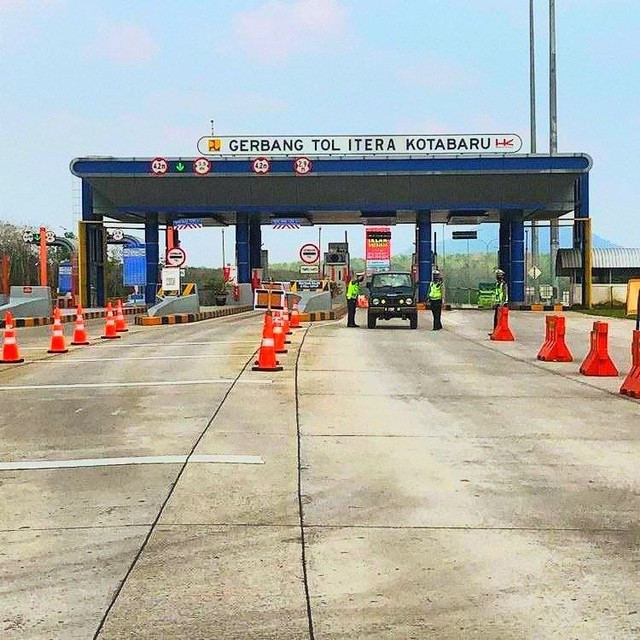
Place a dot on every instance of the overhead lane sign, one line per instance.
(360, 145)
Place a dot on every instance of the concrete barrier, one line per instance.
(171, 305)
(29, 302)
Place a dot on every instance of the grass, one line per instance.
(616, 312)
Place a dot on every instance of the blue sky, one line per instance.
(141, 79)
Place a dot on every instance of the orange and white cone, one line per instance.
(80, 336)
(278, 336)
(58, 343)
(121, 323)
(295, 317)
(285, 323)
(110, 326)
(10, 354)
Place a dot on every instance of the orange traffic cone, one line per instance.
(121, 323)
(58, 343)
(10, 344)
(110, 326)
(267, 355)
(278, 336)
(286, 326)
(295, 317)
(80, 336)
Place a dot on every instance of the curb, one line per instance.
(317, 316)
(183, 318)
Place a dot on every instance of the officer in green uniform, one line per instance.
(353, 291)
(500, 295)
(435, 299)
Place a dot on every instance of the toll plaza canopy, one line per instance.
(468, 189)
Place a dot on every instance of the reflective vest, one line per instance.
(353, 289)
(435, 291)
(500, 293)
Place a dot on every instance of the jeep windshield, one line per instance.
(392, 281)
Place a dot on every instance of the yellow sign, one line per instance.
(633, 287)
(214, 144)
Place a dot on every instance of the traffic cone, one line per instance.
(80, 336)
(10, 353)
(121, 323)
(286, 326)
(503, 332)
(295, 317)
(267, 357)
(278, 336)
(58, 343)
(631, 384)
(110, 326)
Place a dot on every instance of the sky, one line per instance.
(145, 79)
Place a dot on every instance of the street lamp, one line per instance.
(487, 244)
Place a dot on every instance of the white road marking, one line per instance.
(130, 345)
(110, 462)
(106, 385)
(69, 361)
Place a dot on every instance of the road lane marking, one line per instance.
(70, 361)
(106, 385)
(112, 462)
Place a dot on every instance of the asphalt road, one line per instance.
(387, 484)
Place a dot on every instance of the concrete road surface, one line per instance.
(388, 483)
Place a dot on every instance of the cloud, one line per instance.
(279, 29)
(126, 44)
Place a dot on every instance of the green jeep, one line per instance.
(392, 294)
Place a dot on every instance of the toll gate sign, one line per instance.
(134, 265)
(378, 248)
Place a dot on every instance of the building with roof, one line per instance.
(611, 270)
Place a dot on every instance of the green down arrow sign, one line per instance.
(180, 167)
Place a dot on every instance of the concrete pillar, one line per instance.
(255, 243)
(242, 247)
(423, 229)
(151, 235)
(582, 235)
(516, 276)
(95, 251)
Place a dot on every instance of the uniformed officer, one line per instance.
(353, 291)
(435, 299)
(500, 295)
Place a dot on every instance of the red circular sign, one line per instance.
(176, 257)
(159, 166)
(309, 253)
(261, 165)
(302, 166)
(202, 166)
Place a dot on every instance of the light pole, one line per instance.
(487, 244)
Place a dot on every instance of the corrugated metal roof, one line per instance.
(602, 259)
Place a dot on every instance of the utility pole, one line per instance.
(553, 138)
(535, 249)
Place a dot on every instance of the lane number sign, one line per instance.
(309, 253)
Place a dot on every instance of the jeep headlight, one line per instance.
(383, 301)
(376, 301)
(409, 300)
(401, 301)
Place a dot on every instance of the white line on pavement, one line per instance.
(109, 462)
(105, 385)
(73, 361)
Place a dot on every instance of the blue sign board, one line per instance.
(135, 265)
(64, 277)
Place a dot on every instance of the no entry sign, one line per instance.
(309, 253)
(176, 257)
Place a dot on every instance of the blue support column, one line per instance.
(95, 249)
(153, 257)
(516, 276)
(255, 244)
(579, 230)
(504, 252)
(424, 253)
(242, 247)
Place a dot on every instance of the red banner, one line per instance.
(378, 247)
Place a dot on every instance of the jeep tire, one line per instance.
(371, 321)
(413, 321)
